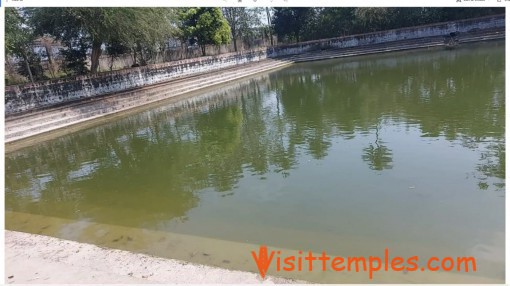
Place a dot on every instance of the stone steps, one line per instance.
(27, 125)
(154, 87)
(398, 46)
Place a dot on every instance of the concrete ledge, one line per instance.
(32, 258)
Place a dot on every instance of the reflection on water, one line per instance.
(378, 157)
(350, 156)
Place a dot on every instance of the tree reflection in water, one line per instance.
(378, 157)
(264, 126)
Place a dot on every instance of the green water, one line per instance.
(403, 150)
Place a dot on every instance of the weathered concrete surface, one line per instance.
(27, 97)
(38, 259)
(32, 258)
(429, 42)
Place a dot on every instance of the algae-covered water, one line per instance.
(351, 156)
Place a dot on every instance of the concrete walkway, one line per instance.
(38, 259)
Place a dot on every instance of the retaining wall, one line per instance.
(27, 97)
(21, 98)
(434, 30)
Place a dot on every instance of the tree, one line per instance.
(33, 69)
(72, 24)
(206, 25)
(147, 31)
(75, 57)
(373, 19)
(270, 26)
(115, 49)
(450, 13)
(236, 17)
(290, 22)
(242, 20)
(100, 26)
(47, 43)
(18, 41)
(301, 24)
(338, 20)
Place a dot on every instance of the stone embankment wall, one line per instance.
(27, 97)
(418, 32)
(21, 98)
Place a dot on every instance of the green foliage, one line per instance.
(18, 37)
(115, 49)
(291, 22)
(75, 58)
(242, 22)
(132, 27)
(144, 31)
(34, 68)
(448, 14)
(147, 33)
(302, 24)
(375, 19)
(206, 26)
(369, 19)
(18, 43)
(340, 22)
